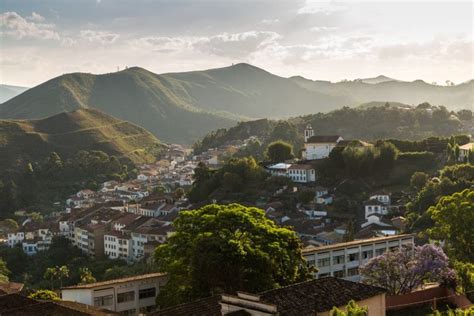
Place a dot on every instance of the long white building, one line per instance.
(344, 259)
(129, 296)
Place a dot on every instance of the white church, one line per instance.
(318, 147)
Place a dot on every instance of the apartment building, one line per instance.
(128, 296)
(343, 260)
(90, 239)
(118, 245)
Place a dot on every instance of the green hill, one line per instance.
(160, 104)
(68, 133)
(183, 107)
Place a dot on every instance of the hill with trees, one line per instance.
(182, 107)
(371, 123)
(69, 133)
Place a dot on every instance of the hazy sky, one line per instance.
(429, 40)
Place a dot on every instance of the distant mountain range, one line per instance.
(7, 92)
(182, 107)
(68, 133)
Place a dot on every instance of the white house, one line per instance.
(381, 197)
(128, 296)
(374, 206)
(279, 169)
(302, 173)
(464, 151)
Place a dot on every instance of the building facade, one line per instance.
(128, 296)
(343, 260)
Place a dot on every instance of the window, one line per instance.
(339, 274)
(324, 262)
(125, 297)
(352, 257)
(311, 263)
(379, 252)
(146, 293)
(338, 259)
(103, 300)
(323, 275)
(352, 271)
(367, 254)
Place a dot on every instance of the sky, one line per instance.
(324, 40)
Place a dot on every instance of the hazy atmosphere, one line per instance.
(330, 40)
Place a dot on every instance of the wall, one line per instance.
(423, 297)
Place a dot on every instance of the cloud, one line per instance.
(232, 45)
(35, 17)
(436, 49)
(321, 6)
(101, 37)
(14, 25)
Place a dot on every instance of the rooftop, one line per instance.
(311, 249)
(115, 281)
(323, 139)
(19, 305)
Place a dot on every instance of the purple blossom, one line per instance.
(402, 271)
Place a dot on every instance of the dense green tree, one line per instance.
(279, 151)
(465, 275)
(418, 180)
(453, 217)
(10, 225)
(225, 248)
(387, 156)
(4, 272)
(86, 276)
(44, 295)
(352, 309)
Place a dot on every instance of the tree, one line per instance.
(4, 272)
(453, 217)
(388, 153)
(86, 276)
(418, 180)
(51, 274)
(63, 273)
(44, 295)
(403, 270)
(465, 275)
(352, 309)
(10, 224)
(225, 248)
(279, 151)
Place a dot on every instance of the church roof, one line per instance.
(323, 139)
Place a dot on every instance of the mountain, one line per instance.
(183, 107)
(159, 104)
(375, 80)
(68, 133)
(413, 93)
(247, 90)
(7, 92)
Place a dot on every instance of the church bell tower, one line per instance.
(308, 132)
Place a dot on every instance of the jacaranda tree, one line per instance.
(404, 270)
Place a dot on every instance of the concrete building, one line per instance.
(343, 260)
(129, 296)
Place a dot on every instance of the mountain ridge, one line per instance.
(182, 107)
(70, 132)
